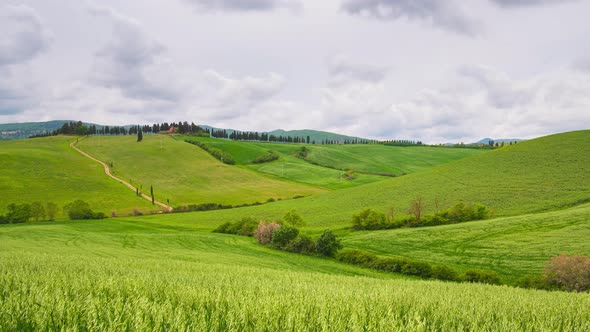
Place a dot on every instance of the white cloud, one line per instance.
(245, 5)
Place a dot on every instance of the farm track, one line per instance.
(107, 171)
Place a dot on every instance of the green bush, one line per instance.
(302, 244)
(482, 277)
(420, 269)
(265, 158)
(282, 236)
(442, 272)
(79, 209)
(368, 219)
(327, 244)
(245, 226)
(19, 213)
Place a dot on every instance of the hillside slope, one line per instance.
(48, 170)
(182, 173)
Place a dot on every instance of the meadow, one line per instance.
(182, 173)
(127, 275)
(48, 170)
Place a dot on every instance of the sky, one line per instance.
(430, 70)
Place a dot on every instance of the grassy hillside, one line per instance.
(325, 161)
(126, 274)
(48, 170)
(185, 174)
(514, 247)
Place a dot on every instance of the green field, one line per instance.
(185, 174)
(170, 272)
(48, 170)
(131, 275)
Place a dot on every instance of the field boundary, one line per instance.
(107, 171)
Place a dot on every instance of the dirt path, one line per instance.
(107, 171)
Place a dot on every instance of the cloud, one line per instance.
(526, 3)
(343, 70)
(244, 5)
(23, 38)
(131, 61)
(23, 34)
(445, 14)
(226, 97)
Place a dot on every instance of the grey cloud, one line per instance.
(343, 70)
(442, 13)
(501, 91)
(124, 62)
(525, 3)
(23, 34)
(244, 5)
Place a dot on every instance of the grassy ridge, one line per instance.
(48, 170)
(131, 275)
(185, 174)
(514, 247)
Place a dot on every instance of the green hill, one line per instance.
(48, 170)
(182, 173)
(127, 274)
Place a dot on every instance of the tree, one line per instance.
(417, 207)
(51, 210)
(139, 135)
(18, 213)
(37, 211)
(283, 235)
(368, 219)
(294, 219)
(264, 231)
(571, 273)
(152, 194)
(79, 209)
(327, 244)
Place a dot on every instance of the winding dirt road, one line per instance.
(107, 171)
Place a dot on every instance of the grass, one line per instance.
(514, 247)
(126, 274)
(48, 170)
(182, 173)
(327, 161)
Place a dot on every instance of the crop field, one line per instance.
(48, 170)
(514, 247)
(129, 275)
(182, 173)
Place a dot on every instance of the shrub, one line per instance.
(482, 277)
(19, 213)
(327, 244)
(268, 157)
(264, 231)
(302, 244)
(79, 209)
(368, 219)
(571, 273)
(3, 220)
(245, 226)
(294, 219)
(442, 272)
(356, 257)
(282, 236)
(420, 269)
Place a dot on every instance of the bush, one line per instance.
(263, 232)
(571, 273)
(368, 219)
(482, 277)
(420, 269)
(224, 157)
(294, 219)
(282, 236)
(442, 272)
(265, 158)
(327, 244)
(302, 244)
(245, 226)
(19, 213)
(79, 209)
(3, 220)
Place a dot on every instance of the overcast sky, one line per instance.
(435, 70)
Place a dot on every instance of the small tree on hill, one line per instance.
(51, 210)
(152, 194)
(139, 136)
(294, 219)
(37, 211)
(327, 244)
(417, 207)
(571, 273)
(264, 231)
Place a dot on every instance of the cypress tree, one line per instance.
(152, 194)
(139, 135)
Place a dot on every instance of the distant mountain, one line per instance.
(499, 140)
(23, 130)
